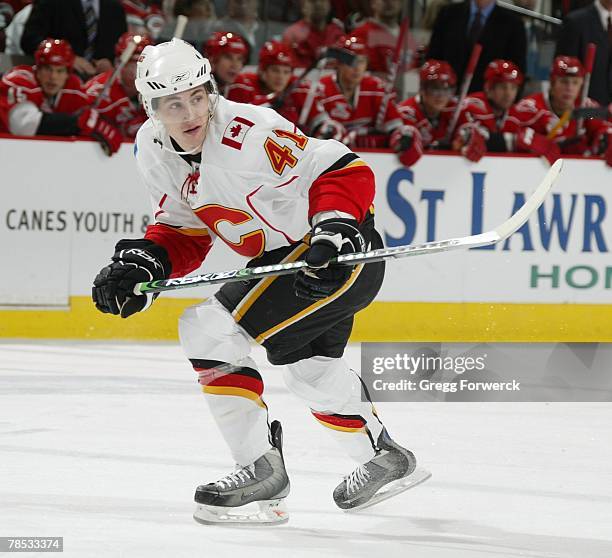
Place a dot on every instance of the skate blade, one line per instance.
(418, 476)
(264, 512)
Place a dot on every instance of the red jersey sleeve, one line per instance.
(349, 189)
(186, 248)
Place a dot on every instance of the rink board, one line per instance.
(65, 204)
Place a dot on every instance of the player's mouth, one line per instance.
(193, 131)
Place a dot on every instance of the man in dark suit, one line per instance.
(592, 24)
(459, 26)
(92, 27)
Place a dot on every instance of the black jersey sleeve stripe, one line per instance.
(341, 163)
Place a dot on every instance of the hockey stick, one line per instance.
(394, 69)
(123, 60)
(494, 236)
(465, 85)
(589, 59)
(565, 118)
(181, 23)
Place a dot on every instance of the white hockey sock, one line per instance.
(333, 392)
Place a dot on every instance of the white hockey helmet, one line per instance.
(172, 67)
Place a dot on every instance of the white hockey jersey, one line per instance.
(258, 182)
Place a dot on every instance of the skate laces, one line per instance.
(357, 479)
(238, 477)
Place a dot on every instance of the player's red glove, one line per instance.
(471, 142)
(406, 141)
(527, 140)
(603, 145)
(91, 124)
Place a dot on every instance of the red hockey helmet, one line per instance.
(503, 71)
(225, 42)
(437, 71)
(566, 66)
(275, 53)
(127, 38)
(355, 45)
(54, 52)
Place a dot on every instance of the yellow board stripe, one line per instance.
(239, 392)
(340, 428)
(257, 290)
(381, 321)
(310, 309)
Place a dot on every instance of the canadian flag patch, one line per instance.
(236, 131)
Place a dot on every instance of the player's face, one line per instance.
(435, 97)
(276, 77)
(227, 66)
(51, 79)
(185, 116)
(352, 75)
(565, 90)
(128, 77)
(503, 95)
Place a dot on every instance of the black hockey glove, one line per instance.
(134, 261)
(329, 239)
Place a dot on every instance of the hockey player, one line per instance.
(543, 112)
(427, 115)
(48, 99)
(243, 175)
(120, 105)
(227, 52)
(354, 98)
(494, 109)
(273, 86)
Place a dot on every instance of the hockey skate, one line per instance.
(251, 495)
(391, 471)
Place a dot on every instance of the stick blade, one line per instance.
(532, 204)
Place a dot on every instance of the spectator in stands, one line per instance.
(380, 33)
(92, 29)
(14, 31)
(459, 27)
(227, 53)
(494, 110)
(551, 114)
(592, 24)
(144, 17)
(311, 34)
(242, 19)
(274, 86)
(48, 99)
(120, 105)
(201, 19)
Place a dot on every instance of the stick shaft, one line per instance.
(589, 59)
(181, 23)
(465, 85)
(125, 57)
(395, 66)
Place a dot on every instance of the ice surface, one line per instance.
(103, 444)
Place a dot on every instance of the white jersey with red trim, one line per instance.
(254, 185)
